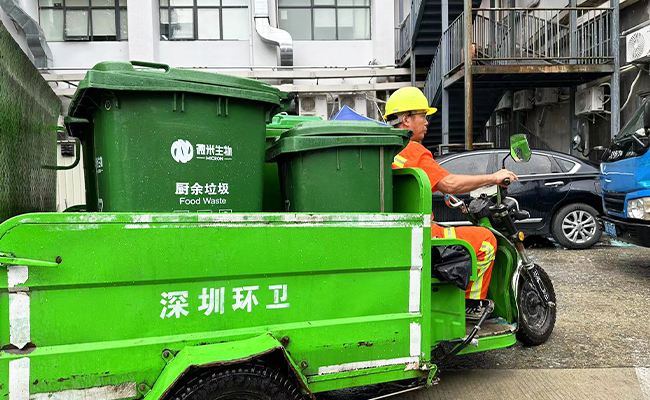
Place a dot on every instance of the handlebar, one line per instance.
(506, 182)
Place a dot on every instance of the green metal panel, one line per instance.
(501, 289)
(491, 343)
(105, 296)
(28, 116)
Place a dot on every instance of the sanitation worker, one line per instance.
(408, 109)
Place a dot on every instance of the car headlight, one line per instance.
(639, 208)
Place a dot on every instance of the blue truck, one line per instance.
(625, 181)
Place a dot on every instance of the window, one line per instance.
(476, 164)
(204, 20)
(325, 19)
(84, 20)
(565, 164)
(537, 165)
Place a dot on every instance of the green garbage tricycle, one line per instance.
(195, 306)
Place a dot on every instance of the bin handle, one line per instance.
(77, 154)
(151, 65)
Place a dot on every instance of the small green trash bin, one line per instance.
(171, 140)
(337, 166)
(281, 123)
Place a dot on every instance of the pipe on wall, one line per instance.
(33, 33)
(273, 35)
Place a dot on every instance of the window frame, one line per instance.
(89, 8)
(489, 168)
(555, 166)
(335, 7)
(195, 20)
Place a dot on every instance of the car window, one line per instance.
(473, 164)
(537, 165)
(565, 164)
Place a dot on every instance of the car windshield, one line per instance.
(632, 140)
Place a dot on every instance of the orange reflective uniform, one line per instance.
(481, 239)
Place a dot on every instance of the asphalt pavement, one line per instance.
(600, 348)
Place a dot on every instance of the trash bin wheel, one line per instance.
(249, 381)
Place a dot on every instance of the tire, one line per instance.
(575, 226)
(536, 322)
(248, 381)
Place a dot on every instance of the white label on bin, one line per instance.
(99, 164)
(182, 151)
(197, 193)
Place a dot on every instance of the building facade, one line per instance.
(215, 33)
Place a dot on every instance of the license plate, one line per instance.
(610, 229)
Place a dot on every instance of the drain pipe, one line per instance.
(33, 33)
(269, 34)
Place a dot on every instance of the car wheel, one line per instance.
(575, 226)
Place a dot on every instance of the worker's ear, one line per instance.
(405, 119)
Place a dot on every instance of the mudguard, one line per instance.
(229, 353)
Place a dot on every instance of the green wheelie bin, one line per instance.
(281, 123)
(170, 140)
(337, 166)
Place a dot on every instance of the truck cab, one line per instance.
(625, 181)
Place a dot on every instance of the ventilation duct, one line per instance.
(33, 33)
(269, 34)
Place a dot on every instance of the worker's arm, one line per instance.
(458, 184)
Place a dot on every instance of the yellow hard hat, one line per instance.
(408, 99)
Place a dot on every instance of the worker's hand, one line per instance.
(499, 176)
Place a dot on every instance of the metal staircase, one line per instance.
(512, 49)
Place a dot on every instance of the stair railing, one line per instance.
(403, 39)
(520, 35)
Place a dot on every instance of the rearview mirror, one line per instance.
(576, 143)
(519, 149)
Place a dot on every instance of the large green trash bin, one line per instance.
(337, 166)
(161, 139)
(272, 201)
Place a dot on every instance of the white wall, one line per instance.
(70, 185)
(205, 53)
(144, 44)
(87, 54)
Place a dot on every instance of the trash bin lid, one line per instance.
(344, 128)
(160, 77)
(285, 121)
(297, 144)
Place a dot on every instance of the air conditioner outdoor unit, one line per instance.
(356, 102)
(590, 100)
(313, 106)
(545, 96)
(523, 100)
(505, 103)
(637, 45)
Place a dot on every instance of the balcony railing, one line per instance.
(454, 37)
(542, 34)
(403, 37)
(526, 36)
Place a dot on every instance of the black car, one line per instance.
(561, 193)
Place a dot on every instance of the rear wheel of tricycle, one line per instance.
(245, 382)
(536, 318)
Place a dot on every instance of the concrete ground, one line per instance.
(600, 348)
